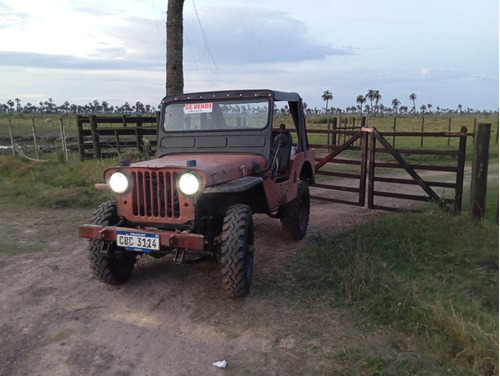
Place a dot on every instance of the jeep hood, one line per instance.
(215, 168)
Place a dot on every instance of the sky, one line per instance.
(446, 52)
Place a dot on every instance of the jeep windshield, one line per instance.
(217, 115)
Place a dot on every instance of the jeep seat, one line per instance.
(281, 149)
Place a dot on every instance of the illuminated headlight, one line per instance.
(189, 184)
(119, 182)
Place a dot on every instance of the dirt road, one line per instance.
(57, 319)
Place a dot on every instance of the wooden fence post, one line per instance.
(336, 125)
(34, 137)
(479, 178)
(63, 139)
(459, 181)
(95, 136)
(394, 130)
(81, 142)
(496, 137)
(328, 127)
(371, 168)
(11, 138)
(138, 134)
(423, 129)
(474, 132)
(363, 170)
(449, 129)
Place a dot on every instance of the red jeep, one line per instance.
(220, 159)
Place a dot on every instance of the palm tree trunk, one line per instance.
(175, 74)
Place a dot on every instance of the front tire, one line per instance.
(108, 265)
(295, 214)
(237, 250)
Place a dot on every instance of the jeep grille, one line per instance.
(155, 194)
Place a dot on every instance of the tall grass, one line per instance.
(52, 184)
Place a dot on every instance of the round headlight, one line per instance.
(118, 182)
(189, 184)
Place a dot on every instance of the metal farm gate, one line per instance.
(384, 171)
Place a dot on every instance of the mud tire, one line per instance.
(112, 267)
(295, 214)
(237, 250)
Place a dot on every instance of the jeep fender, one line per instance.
(248, 189)
(235, 186)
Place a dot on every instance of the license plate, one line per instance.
(138, 241)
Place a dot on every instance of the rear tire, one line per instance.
(295, 214)
(108, 265)
(237, 250)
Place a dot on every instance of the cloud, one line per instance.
(95, 10)
(143, 38)
(10, 18)
(253, 35)
(232, 36)
(38, 60)
(441, 74)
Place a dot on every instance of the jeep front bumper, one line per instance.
(168, 239)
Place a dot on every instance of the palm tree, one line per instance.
(378, 97)
(18, 104)
(327, 96)
(139, 107)
(371, 96)
(361, 99)
(413, 96)
(65, 107)
(395, 105)
(105, 106)
(10, 102)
